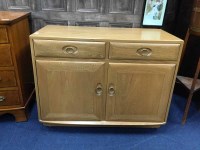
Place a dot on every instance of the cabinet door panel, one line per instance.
(67, 90)
(142, 91)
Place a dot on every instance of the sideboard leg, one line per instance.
(20, 115)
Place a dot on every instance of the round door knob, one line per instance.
(99, 89)
(111, 90)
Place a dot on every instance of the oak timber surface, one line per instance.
(130, 84)
(119, 50)
(103, 33)
(141, 91)
(7, 17)
(55, 48)
(67, 90)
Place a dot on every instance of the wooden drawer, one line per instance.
(144, 51)
(8, 98)
(3, 35)
(76, 49)
(7, 79)
(5, 55)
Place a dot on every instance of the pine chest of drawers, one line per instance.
(104, 76)
(16, 79)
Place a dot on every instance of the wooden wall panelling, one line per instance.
(54, 5)
(119, 6)
(113, 13)
(88, 5)
(1, 5)
(27, 5)
(91, 24)
(125, 25)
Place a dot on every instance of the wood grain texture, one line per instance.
(18, 4)
(54, 48)
(135, 91)
(19, 38)
(8, 17)
(3, 35)
(19, 114)
(59, 5)
(67, 90)
(105, 34)
(5, 55)
(15, 65)
(7, 79)
(88, 5)
(11, 98)
(104, 123)
(103, 12)
(119, 6)
(131, 51)
(141, 91)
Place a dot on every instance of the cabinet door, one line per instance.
(67, 90)
(139, 92)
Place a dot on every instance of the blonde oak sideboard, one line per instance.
(16, 75)
(104, 76)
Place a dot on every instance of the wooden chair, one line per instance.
(192, 84)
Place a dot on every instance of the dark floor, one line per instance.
(32, 135)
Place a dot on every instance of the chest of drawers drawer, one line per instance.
(7, 79)
(8, 98)
(71, 49)
(5, 55)
(3, 35)
(144, 51)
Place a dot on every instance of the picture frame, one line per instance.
(154, 13)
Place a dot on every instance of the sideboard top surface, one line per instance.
(104, 34)
(9, 17)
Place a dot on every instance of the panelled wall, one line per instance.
(110, 13)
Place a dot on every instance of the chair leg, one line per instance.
(191, 93)
(187, 108)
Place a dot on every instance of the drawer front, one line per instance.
(9, 98)
(5, 55)
(7, 79)
(144, 51)
(3, 35)
(71, 49)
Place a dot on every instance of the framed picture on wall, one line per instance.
(154, 12)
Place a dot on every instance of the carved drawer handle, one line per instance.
(2, 98)
(70, 49)
(144, 52)
(99, 89)
(111, 90)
